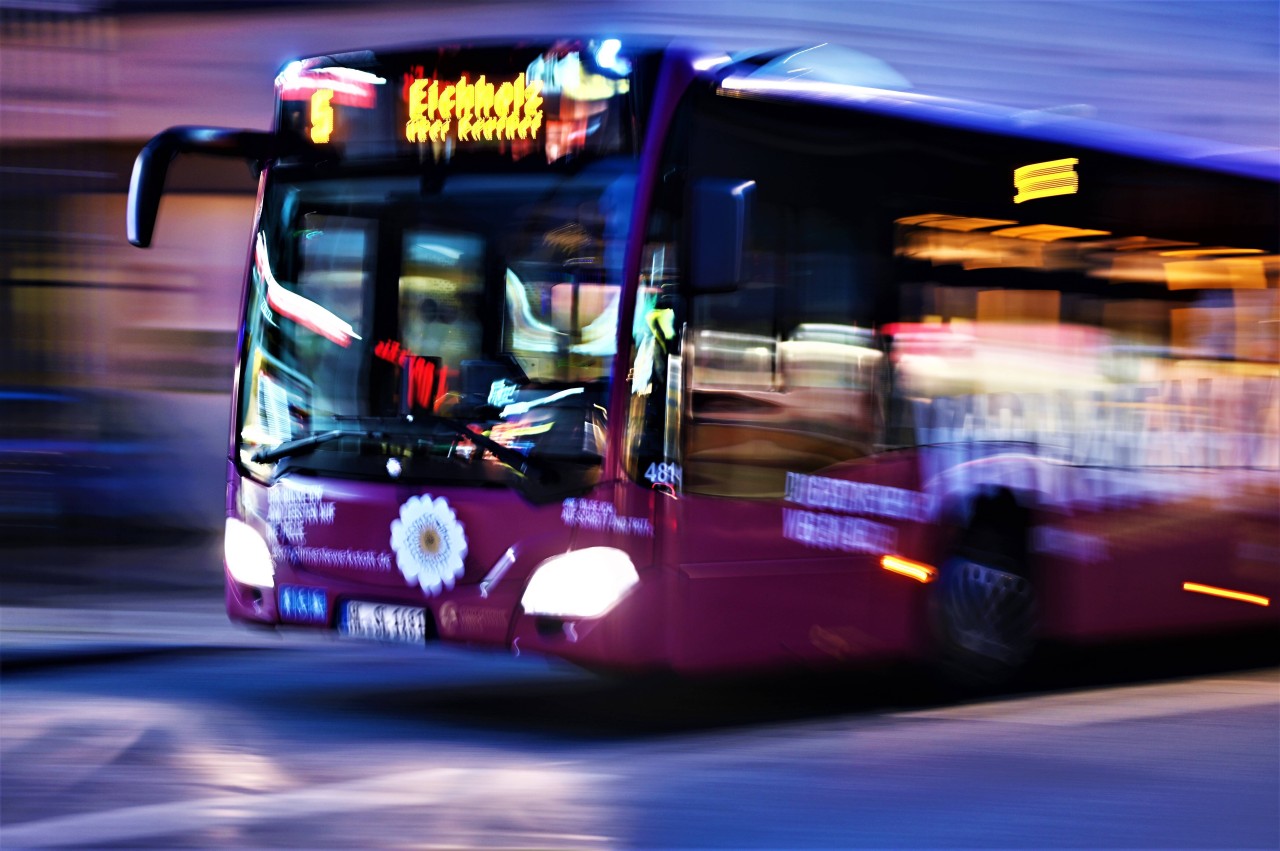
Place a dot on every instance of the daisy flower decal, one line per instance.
(429, 543)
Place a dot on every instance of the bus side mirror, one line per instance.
(152, 166)
(720, 223)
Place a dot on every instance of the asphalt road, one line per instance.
(136, 717)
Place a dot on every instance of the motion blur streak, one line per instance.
(914, 569)
(1197, 588)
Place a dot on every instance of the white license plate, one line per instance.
(381, 622)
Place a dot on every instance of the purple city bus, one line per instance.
(655, 358)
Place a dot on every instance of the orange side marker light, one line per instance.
(917, 571)
(1197, 588)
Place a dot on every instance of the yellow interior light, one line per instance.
(1048, 233)
(1041, 180)
(1209, 252)
(1139, 243)
(968, 223)
(1222, 273)
(927, 218)
(1213, 591)
(914, 569)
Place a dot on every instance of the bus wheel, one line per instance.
(984, 616)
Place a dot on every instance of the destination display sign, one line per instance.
(474, 111)
(440, 104)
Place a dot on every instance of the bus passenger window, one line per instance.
(781, 371)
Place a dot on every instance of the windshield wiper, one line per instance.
(290, 448)
(541, 479)
(518, 461)
(297, 446)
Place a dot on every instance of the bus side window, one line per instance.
(781, 370)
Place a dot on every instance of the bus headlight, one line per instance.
(247, 557)
(579, 584)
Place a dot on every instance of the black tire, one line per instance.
(985, 616)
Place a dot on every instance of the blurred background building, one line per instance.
(116, 364)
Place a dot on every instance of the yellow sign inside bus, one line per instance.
(1042, 180)
(474, 111)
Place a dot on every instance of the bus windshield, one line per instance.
(424, 330)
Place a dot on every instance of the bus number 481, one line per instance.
(663, 474)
